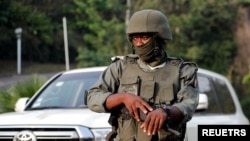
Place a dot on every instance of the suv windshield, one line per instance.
(66, 91)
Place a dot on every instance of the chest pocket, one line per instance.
(165, 93)
(141, 87)
(129, 84)
(147, 90)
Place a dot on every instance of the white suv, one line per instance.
(57, 111)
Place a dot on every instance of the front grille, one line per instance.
(47, 133)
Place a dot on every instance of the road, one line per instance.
(6, 82)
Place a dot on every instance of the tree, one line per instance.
(204, 34)
(35, 36)
(102, 26)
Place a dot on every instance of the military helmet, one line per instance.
(152, 21)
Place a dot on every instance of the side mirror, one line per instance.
(20, 104)
(203, 102)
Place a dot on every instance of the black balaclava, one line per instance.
(153, 52)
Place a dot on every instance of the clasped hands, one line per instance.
(155, 118)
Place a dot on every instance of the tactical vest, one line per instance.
(160, 86)
(155, 87)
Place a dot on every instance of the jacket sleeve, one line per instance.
(188, 96)
(106, 85)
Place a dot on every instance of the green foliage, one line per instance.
(104, 31)
(42, 36)
(205, 34)
(245, 104)
(26, 88)
(96, 29)
(4, 12)
(246, 79)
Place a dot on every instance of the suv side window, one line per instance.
(219, 97)
(224, 96)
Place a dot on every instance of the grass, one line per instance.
(9, 68)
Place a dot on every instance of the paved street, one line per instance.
(6, 82)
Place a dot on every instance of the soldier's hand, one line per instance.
(154, 121)
(135, 103)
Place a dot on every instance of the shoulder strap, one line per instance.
(131, 58)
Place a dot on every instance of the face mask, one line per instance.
(146, 51)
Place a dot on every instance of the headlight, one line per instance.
(100, 134)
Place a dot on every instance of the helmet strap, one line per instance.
(156, 45)
(133, 49)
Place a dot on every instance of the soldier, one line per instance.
(149, 94)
